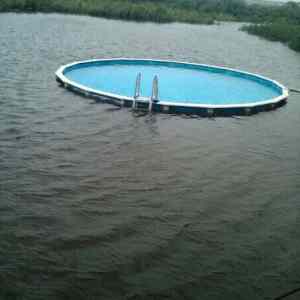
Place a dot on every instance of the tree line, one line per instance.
(274, 22)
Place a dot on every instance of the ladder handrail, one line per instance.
(137, 90)
(154, 95)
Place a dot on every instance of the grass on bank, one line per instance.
(276, 23)
(283, 32)
(115, 9)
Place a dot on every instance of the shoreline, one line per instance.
(285, 30)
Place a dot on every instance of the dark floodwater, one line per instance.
(99, 203)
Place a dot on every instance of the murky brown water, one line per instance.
(99, 203)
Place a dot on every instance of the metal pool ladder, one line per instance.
(137, 93)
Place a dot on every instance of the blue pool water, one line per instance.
(177, 83)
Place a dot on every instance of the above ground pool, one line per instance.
(173, 87)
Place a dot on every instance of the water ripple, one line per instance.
(104, 203)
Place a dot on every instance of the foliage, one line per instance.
(119, 9)
(284, 32)
(274, 22)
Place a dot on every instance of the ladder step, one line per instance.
(142, 99)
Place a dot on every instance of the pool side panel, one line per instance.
(218, 112)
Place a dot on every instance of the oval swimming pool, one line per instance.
(180, 87)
